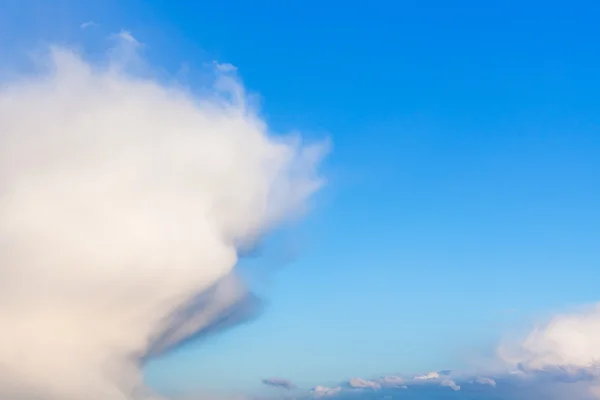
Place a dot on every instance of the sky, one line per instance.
(461, 204)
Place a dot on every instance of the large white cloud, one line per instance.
(567, 340)
(122, 199)
(565, 349)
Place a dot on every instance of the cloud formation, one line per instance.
(123, 203)
(566, 349)
(450, 383)
(554, 361)
(486, 381)
(566, 340)
(392, 382)
(279, 383)
(88, 24)
(506, 386)
(358, 383)
(127, 36)
(321, 391)
(557, 360)
(428, 376)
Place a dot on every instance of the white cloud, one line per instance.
(88, 24)
(225, 67)
(567, 340)
(436, 377)
(358, 383)
(557, 360)
(127, 37)
(321, 391)
(392, 381)
(450, 383)
(428, 376)
(121, 200)
(486, 381)
(567, 348)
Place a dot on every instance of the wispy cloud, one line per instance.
(224, 67)
(450, 383)
(486, 381)
(199, 318)
(279, 383)
(126, 36)
(88, 24)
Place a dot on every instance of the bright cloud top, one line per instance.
(121, 200)
(568, 340)
(567, 348)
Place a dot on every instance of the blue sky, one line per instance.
(463, 182)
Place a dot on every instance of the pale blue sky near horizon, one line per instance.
(463, 182)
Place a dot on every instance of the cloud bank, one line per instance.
(123, 203)
(555, 361)
(456, 385)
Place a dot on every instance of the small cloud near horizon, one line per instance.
(279, 383)
(359, 383)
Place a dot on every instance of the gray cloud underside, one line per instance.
(279, 383)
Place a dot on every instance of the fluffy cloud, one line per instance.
(428, 376)
(123, 203)
(358, 383)
(392, 382)
(534, 386)
(388, 384)
(450, 383)
(566, 349)
(321, 391)
(486, 381)
(554, 361)
(441, 377)
(279, 383)
(567, 340)
(556, 384)
(88, 24)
